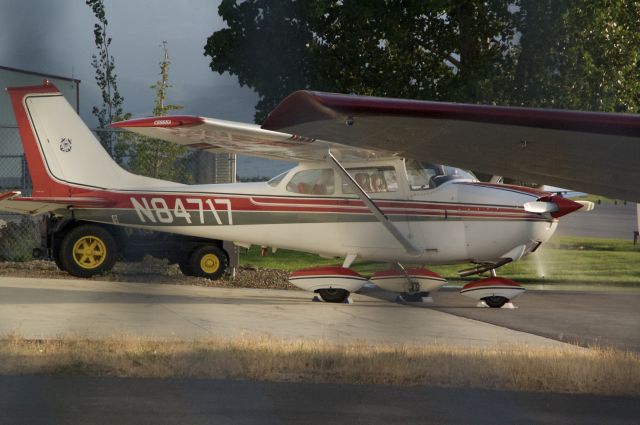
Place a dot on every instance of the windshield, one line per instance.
(275, 181)
(423, 176)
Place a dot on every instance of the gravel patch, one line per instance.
(153, 270)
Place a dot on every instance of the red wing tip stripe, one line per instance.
(161, 122)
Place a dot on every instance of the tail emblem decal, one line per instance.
(65, 145)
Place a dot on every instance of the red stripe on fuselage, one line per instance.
(245, 203)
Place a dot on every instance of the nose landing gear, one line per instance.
(495, 291)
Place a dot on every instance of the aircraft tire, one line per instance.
(208, 261)
(495, 301)
(333, 295)
(87, 250)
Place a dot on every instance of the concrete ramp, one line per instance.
(51, 308)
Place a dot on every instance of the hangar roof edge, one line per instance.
(7, 68)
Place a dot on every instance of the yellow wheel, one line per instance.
(208, 261)
(87, 250)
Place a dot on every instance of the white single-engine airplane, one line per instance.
(360, 190)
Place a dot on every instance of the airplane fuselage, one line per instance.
(457, 221)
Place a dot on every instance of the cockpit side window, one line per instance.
(422, 176)
(373, 179)
(419, 176)
(313, 182)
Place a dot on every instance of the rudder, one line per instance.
(63, 155)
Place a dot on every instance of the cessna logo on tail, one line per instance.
(65, 145)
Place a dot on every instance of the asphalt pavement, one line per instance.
(610, 221)
(40, 400)
(576, 317)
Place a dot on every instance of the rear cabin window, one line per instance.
(373, 179)
(313, 182)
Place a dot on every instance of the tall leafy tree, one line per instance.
(579, 55)
(104, 64)
(551, 53)
(438, 49)
(157, 158)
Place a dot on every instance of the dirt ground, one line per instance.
(153, 271)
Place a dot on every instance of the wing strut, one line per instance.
(382, 218)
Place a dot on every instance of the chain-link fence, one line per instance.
(20, 234)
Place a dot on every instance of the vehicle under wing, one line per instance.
(585, 151)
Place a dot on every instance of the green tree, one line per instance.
(157, 158)
(104, 64)
(550, 53)
(579, 55)
(438, 49)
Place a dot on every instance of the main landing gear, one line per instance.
(413, 284)
(333, 283)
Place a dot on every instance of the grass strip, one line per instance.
(567, 369)
(562, 260)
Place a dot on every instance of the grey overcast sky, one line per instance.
(56, 37)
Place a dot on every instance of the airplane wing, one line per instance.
(12, 202)
(214, 135)
(591, 152)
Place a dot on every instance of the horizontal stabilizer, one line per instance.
(11, 202)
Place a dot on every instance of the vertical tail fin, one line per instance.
(63, 155)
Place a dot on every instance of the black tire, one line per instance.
(185, 268)
(495, 301)
(87, 250)
(56, 258)
(208, 261)
(333, 295)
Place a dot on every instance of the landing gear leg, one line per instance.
(414, 294)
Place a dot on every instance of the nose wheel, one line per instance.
(494, 291)
(495, 301)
